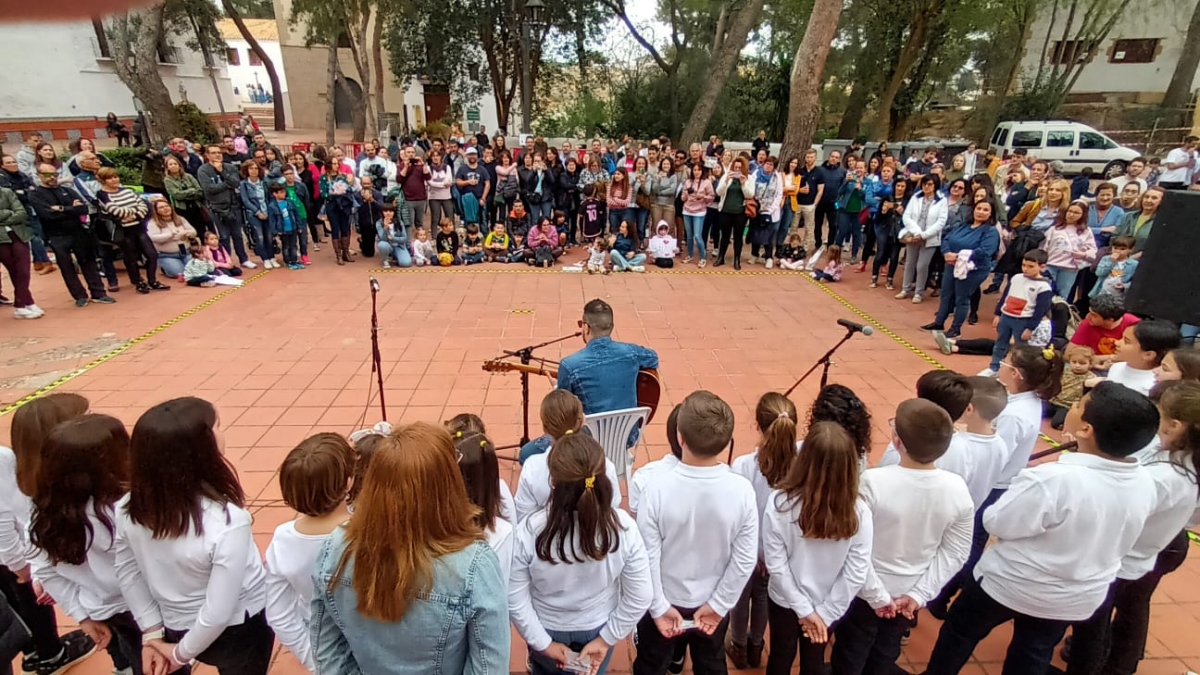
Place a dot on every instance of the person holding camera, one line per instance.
(412, 174)
(380, 168)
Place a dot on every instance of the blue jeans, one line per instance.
(1189, 333)
(576, 640)
(618, 216)
(399, 253)
(472, 258)
(171, 264)
(264, 244)
(641, 215)
(849, 228)
(694, 226)
(1064, 279)
(787, 215)
(543, 210)
(537, 446)
(956, 296)
(37, 244)
(1009, 329)
(620, 262)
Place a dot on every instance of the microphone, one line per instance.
(375, 286)
(855, 327)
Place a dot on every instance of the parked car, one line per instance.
(1074, 144)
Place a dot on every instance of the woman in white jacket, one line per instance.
(768, 190)
(924, 219)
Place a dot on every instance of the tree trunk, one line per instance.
(719, 36)
(718, 76)
(134, 46)
(210, 66)
(280, 120)
(331, 95)
(856, 107)
(804, 108)
(581, 54)
(908, 58)
(377, 63)
(359, 45)
(1179, 91)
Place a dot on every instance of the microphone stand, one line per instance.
(376, 357)
(824, 362)
(525, 354)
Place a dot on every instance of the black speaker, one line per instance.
(1167, 282)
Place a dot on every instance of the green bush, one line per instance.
(195, 125)
(126, 158)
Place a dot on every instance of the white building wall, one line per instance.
(54, 71)
(1162, 19)
(244, 74)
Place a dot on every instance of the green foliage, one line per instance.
(435, 129)
(254, 9)
(196, 22)
(195, 125)
(587, 116)
(128, 162)
(439, 41)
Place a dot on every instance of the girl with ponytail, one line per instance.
(580, 578)
(765, 468)
(481, 474)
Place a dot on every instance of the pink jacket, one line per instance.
(1065, 247)
(539, 237)
(696, 202)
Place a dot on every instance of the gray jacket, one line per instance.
(664, 188)
(220, 189)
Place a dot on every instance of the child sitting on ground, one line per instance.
(496, 244)
(314, 480)
(598, 256)
(200, 268)
(829, 265)
(561, 226)
(662, 247)
(543, 248)
(1078, 371)
(518, 250)
(448, 243)
(1115, 271)
(472, 245)
(220, 256)
(792, 254)
(1139, 353)
(424, 251)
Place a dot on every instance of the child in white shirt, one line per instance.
(598, 256)
(662, 247)
(314, 480)
(701, 535)
(921, 517)
(467, 424)
(643, 476)
(481, 473)
(765, 468)
(951, 392)
(580, 579)
(424, 250)
(1062, 529)
(1140, 352)
(817, 548)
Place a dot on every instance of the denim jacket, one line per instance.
(459, 627)
(275, 211)
(604, 374)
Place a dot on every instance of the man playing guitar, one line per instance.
(604, 373)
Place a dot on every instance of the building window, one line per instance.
(254, 60)
(1070, 52)
(473, 71)
(233, 57)
(1134, 51)
(101, 39)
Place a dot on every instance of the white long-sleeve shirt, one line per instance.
(1018, 426)
(701, 533)
(508, 507)
(577, 596)
(198, 583)
(746, 466)
(1062, 530)
(500, 539)
(977, 458)
(289, 563)
(1175, 502)
(90, 590)
(15, 550)
(922, 522)
(643, 476)
(813, 575)
(533, 488)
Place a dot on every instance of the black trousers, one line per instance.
(654, 652)
(974, 615)
(40, 619)
(731, 225)
(889, 254)
(826, 213)
(136, 245)
(786, 638)
(865, 644)
(244, 649)
(82, 245)
(1108, 644)
(125, 648)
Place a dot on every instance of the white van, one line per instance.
(1074, 144)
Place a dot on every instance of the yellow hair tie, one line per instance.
(568, 432)
(1048, 353)
(483, 444)
(458, 434)
(589, 482)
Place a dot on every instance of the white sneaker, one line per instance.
(917, 299)
(249, 264)
(902, 295)
(638, 268)
(770, 263)
(987, 372)
(37, 310)
(26, 313)
(386, 264)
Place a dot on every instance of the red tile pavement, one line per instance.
(289, 354)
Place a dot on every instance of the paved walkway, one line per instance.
(289, 355)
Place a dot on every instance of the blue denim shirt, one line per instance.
(459, 627)
(604, 374)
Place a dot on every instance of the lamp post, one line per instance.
(531, 20)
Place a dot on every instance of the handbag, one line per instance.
(751, 207)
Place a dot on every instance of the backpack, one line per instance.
(543, 257)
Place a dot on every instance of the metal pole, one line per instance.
(526, 77)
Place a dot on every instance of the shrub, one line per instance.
(195, 125)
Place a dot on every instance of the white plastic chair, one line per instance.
(612, 430)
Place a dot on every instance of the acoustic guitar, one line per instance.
(649, 388)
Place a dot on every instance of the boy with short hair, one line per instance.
(951, 392)
(698, 572)
(1062, 529)
(912, 557)
(1139, 352)
(1025, 301)
(285, 222)
(496, 244)
(1115, 271)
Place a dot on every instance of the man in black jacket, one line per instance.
(832, 174)
(220, 183)
(61, 212)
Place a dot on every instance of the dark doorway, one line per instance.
(437, 102)
(343, 103)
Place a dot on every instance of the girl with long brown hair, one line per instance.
(765, 468)
(1070, 247)
(409, 579)
(185, 555)
(171, 234)
(481, 474)
(816, 547)
(581, 577)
